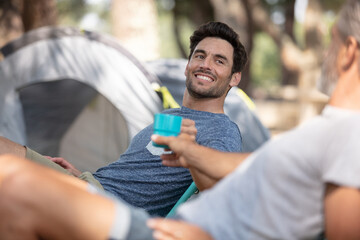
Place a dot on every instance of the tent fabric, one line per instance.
(171, 74)
(60, 84)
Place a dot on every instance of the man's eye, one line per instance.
(220, 61)
(199, 56)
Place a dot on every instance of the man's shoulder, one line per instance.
(221, 135)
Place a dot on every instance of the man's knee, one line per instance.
(15, 176)
(18, 178)
(9, 147)
(16, 201)
(12, 165)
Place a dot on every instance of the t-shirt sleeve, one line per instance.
(341, 163)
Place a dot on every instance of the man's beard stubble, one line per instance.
(211, 93)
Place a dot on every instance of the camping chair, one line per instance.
(169, 102)
(192, 189)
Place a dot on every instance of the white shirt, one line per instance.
(277, 193)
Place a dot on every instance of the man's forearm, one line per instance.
(212, 163)
(187, 153)
(202, 180)
(342, 212)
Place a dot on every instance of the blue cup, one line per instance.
(166, 125)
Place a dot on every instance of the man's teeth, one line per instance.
(204, 78)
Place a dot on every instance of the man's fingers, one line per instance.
(169, 163)
(188, 126)
(160, 140)
(162, 231)
(170, 160)
(189, 130)
(60, 161)
(164, 225)
(161, 236)
(187, 122)
(168, 229)
(170, 157)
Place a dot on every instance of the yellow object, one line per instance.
(249, 103)
(167, 98)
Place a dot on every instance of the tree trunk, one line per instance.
(245, 83)
(134, 23)
(177, 31)
(201, 11)
(19, 16)
(234, 13)
(38, 13)
(289, 77)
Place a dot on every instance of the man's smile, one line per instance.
(204, 77)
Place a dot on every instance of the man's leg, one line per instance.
(40, 159)
(9, 147)
(37, 202)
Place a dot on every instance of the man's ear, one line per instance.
(186, 69)
(235, 79)
(349, 53)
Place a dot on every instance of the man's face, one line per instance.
(208, 72)
(329, 72)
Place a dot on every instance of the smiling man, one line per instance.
(215, 63)
(214, 67)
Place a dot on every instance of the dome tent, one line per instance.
(75, 94)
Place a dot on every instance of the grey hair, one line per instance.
(348, 22)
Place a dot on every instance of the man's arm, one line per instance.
(342, 212)
(39, 203)
(189, 154)
(9, 147)
(202, 181)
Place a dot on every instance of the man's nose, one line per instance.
(206, 63)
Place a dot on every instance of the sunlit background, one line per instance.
(284, 38)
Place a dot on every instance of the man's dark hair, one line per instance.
(223, 31)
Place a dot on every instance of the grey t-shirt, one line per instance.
(140, 179)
